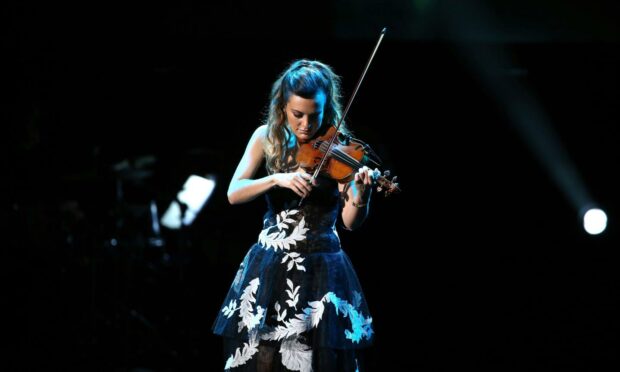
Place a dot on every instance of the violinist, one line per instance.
(296, 302)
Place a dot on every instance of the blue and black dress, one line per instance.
(296, 292)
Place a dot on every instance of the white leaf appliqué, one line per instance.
(280, 316)
(296, 356)
(361, 327)
(279, 239)
(301, 322)
(295, 259)
(315, 312)
(293, 294)
(246, 312)
(243, 355)
(230, 309)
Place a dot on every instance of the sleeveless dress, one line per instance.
(296, 291)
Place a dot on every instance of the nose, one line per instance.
(304, 122)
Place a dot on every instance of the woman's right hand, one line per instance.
(299, 182)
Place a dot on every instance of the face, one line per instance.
(305, 115)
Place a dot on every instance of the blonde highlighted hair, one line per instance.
(304, 78)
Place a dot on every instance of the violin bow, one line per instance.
(346, 109)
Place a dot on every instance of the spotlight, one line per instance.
(594, 221)
(189, 201)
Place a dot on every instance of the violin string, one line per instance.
(342, 156)
(339, 155)
(348, 160)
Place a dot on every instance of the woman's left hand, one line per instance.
(362, 185)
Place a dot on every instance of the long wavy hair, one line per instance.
(304, 78)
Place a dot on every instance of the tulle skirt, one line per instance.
(291, 310)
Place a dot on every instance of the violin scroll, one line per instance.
(384, 183)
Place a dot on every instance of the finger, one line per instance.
(299, 191)
(304, 176)
(357, 178)
(294, 185)
(363, 172)
(305, 183)
(308, 178)
(368, 179)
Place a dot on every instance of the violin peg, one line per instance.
(394, 179)
(387, 173)
(379, 189)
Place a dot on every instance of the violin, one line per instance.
(339, 158)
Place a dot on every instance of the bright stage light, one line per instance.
(190, 200)
(594, 221)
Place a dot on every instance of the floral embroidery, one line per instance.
(295, 259)
(360, 326)
(315, 312)
(246, 312)
(293, 294)
(279, 239)
(296, 356)
(312, 315)
(280, 316)
(243, 355)
(230, 309)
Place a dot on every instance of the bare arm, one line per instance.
(357, 199)
(244, 188)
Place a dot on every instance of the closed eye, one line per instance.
(299, 114)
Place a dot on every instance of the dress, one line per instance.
(296, 291)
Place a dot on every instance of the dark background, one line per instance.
(481, 262)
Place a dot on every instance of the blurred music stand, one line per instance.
(188, 202)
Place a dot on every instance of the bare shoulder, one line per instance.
(260, 134)
(256, 144)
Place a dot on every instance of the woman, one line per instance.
(296, 303)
